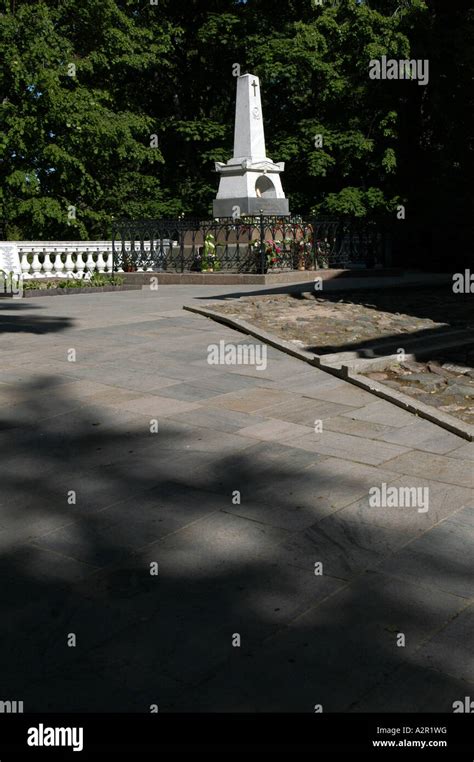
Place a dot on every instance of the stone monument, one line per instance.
(250, 182)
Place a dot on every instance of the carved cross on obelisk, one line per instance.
(249, 138)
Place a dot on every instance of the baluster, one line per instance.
(36, 266)
(100, 263)
(47, 265)
(108, 260)
(62, 263)
(80, 264)
(57, 271)
(84, 256)
(25, 266)
(90, 263)
(69, 263)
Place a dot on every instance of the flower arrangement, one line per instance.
(302, 250)
(273, 253)
(209, 259)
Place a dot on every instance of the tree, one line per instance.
(120, 108)
(76, 146)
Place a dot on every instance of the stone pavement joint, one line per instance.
(338, 365)
(252, 479)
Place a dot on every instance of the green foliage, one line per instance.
(68, 141)
(97, 280)
(33, 285)
(136, 131)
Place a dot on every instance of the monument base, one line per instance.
(225, 207)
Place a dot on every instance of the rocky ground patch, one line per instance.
(447, 385)
(359, 321)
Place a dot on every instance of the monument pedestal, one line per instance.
(250, 182)
(249, 206)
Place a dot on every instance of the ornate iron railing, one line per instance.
(248, 245)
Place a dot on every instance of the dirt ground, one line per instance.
(359, 321)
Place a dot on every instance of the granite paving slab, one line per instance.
(235, 498)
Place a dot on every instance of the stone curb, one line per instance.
(445, 421)
(333, 279)
(268, 338)
(419, 348)
(290, 277)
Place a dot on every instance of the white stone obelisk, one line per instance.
(250, 182)
(249, 136)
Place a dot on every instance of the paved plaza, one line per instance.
(125, 453)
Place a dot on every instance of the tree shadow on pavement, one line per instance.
(87, 510)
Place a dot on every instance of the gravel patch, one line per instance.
(357, 322)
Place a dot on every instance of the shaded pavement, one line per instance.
(234, 500)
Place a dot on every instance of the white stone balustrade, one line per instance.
(64, 259)
(72, 259)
